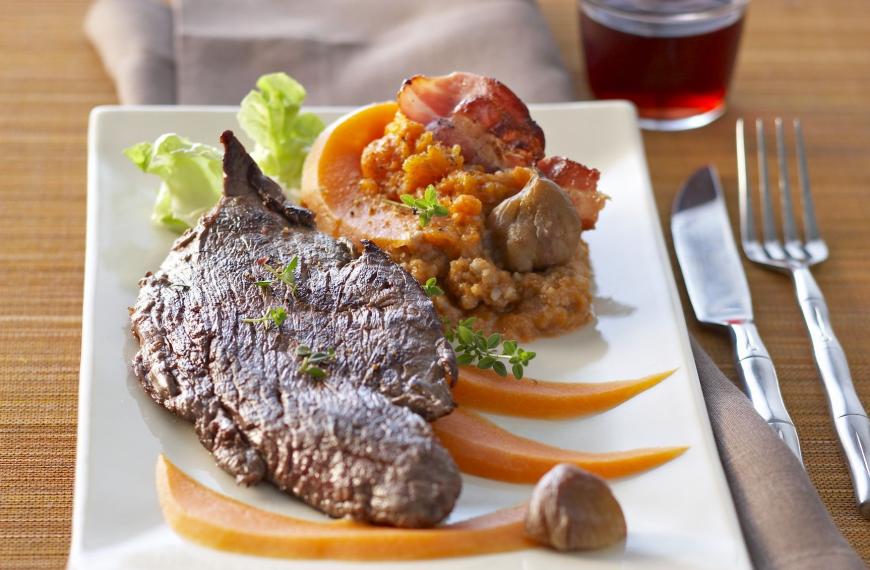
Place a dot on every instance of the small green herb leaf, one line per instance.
(311, 361)
(274, 316)
(426, 208)
(472, 346)
(517, 371)
(287, 275)
(315, 371)
(466, 336)
(465, 359)
(431, 288)
(499, 368)
(303, 350)
(449, 332)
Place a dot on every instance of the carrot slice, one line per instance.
(211, 519)
(481, 448)
(529, 398)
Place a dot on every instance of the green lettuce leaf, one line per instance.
(192, 178)
(283, 136)
(192, 172)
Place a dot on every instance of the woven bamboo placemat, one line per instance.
(799, 58)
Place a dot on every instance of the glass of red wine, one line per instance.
(672, 58)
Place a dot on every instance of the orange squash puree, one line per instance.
(481, 448)
(359, 166)
(211, 519)
(528, 398)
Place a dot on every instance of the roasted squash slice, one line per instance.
(215, 520)
(481, 448)
(331, 176)
(484, 390)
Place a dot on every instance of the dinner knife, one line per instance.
(719, 293)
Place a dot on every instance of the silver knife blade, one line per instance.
(705, 249)
(720, 295)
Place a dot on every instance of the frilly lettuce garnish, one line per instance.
(192, 172)
(270, 116)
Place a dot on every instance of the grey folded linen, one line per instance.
(346, 52)
(784, 522)
(134, 39)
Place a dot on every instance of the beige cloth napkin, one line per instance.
(135, 41)
(353, 52)
(345, 52)
(784, 522)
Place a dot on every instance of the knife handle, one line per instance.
(760, 383)
(850, 419)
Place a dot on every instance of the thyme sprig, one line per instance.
(312, 360)
(473, 346)
(274, 316)
(287, 275)
(431, 288)
(424, 208)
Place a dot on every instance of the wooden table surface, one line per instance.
(799, 58)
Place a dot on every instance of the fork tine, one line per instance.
(811, 229)
(768, 223)
(747, 218)
(789, 230)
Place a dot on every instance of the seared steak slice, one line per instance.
(355, 443)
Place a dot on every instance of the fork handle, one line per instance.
(850, 419)
(760, 383)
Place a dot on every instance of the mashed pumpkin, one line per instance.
(455, 249)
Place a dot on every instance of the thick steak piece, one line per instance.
(355, 443)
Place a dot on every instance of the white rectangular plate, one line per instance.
(679, 515)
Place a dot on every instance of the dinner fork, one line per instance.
(795, 256)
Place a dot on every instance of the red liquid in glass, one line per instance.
(666, 77)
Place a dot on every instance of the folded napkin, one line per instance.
(353, 52)
(344, 52)
(134, 40)
(784, 522)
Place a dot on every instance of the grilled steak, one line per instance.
(355, 443)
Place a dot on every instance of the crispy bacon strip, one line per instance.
(480, 114)
(493, 128)
(579, 182)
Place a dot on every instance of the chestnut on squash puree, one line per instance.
(363, 163)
